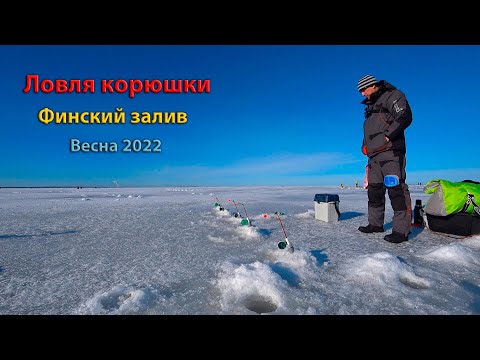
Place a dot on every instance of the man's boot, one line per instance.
(371, 229)
(396, 237)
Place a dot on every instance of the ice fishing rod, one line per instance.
(238, 212)
(284, 244)
(247, 220)
(218, 203)
(265, 214)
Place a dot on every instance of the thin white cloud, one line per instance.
(284, 164)
(446, 174)
(289, 169)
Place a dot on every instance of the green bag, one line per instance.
(452, 197)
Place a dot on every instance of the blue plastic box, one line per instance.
(326, 198)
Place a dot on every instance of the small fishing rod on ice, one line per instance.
(218, 203)
(247, 220)
(238, 212)
(284, 244)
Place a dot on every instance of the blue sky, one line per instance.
(276, 114)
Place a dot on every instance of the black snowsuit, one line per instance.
(387, 113)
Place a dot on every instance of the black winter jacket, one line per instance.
(387, 113)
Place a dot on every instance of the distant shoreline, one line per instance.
(176, 186)
(80, 187)
(56, 187)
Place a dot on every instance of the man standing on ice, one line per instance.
(387, 115)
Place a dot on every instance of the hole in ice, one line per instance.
(260, 304)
